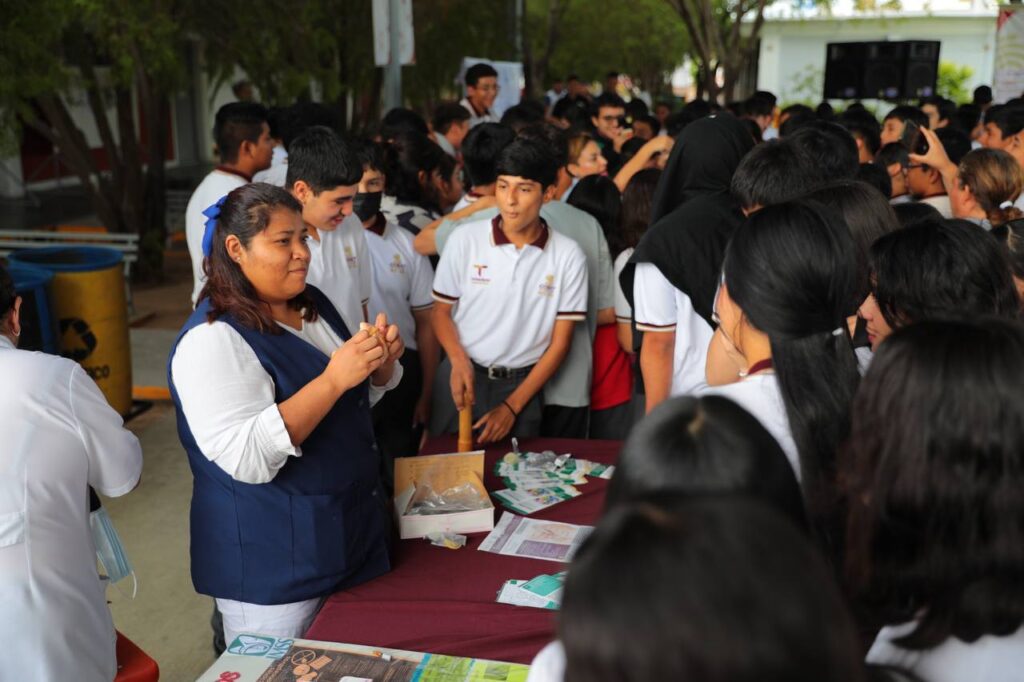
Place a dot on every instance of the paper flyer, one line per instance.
(547, 540)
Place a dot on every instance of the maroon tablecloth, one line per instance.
(443, 601)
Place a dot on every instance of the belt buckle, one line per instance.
(498, 373)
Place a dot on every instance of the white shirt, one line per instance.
(446, 146)
(990, 659)
(275, 175)
(940, 203)
(402, 280)
(660, 307)
(623, 311)
(570, 386)
(59, 435)
(549, 664)
(339, 266)
(760, 395)
(476, 119)
(210, 190)
(508, 298)
(228, 398)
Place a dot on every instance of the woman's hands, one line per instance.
(354, 361)
(391, 341)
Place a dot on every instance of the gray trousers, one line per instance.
(489, 394)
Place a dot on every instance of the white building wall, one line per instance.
(792, 57)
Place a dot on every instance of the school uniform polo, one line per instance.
(401, 278)
(475, 118)
(508, 298)
(219, 182)
(570, 386)
(339, 265)
(660, 307)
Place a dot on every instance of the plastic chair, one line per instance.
(133, 665)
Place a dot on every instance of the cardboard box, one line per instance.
(443, 472)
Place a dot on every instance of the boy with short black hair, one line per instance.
(520, 288)
(451, 125)
(895, 158)
(772, 173)
(830, 148)
(480, 151)
(607, 117)
(892, 124)
(481, 91)
(242, 135)
(324, 174)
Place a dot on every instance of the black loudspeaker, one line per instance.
(881, 69)
(843, 70)
(922, 69)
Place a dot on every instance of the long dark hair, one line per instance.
(943, 269)
(869, 216)
(246, 213)
(705, 446)
(932, 475)
(791, 269)
(712, 589)
(637, 200)
(598, 196)
(404, 157)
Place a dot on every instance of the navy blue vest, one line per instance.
(321, 524)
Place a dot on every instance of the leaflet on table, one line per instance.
(534, 467)
(548, 540)
(542, 592)
(259, 658)
(530, 500)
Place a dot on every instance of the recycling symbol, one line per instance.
(77, 340)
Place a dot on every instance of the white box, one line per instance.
(444, 471)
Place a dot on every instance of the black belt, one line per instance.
(495, 373)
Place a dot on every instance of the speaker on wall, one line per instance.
(881, 69)
(922, 69)
(843, 64)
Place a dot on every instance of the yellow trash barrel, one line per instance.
(88, 297)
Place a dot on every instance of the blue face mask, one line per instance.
(109, 549)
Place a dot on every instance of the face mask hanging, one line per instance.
(110, 550)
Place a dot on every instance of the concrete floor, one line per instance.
(167, 619)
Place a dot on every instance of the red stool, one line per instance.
(133, 665)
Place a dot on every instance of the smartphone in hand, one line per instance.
(913, 139)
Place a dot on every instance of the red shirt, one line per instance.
(613, 371)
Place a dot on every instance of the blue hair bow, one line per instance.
(211, 213)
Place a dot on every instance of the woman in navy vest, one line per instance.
(273, 397)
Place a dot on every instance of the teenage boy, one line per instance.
(242, 134)
(892, 125)
(609, 112)
(480, 150)
(401, 289)
(866, 133)
(894, 158)
(451, 124)
(481, 91)
(324, 174)
(567, 394)
(520, 288)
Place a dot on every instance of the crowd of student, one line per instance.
(822, 328)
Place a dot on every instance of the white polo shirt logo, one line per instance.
(508, 299)
(350, 258)
(547, 287)
(397, 266)
(479, 275)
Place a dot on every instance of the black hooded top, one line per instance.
(693, 214)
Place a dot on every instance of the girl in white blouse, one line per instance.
(789, 276)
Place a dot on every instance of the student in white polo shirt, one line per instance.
(242, 134)
(402, 281)
(520, 288)
(481, 91)
(323, 174)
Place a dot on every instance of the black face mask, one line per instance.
(366, 204)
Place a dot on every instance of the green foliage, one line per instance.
(643, 38)
(952, 81)
(805, 88)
